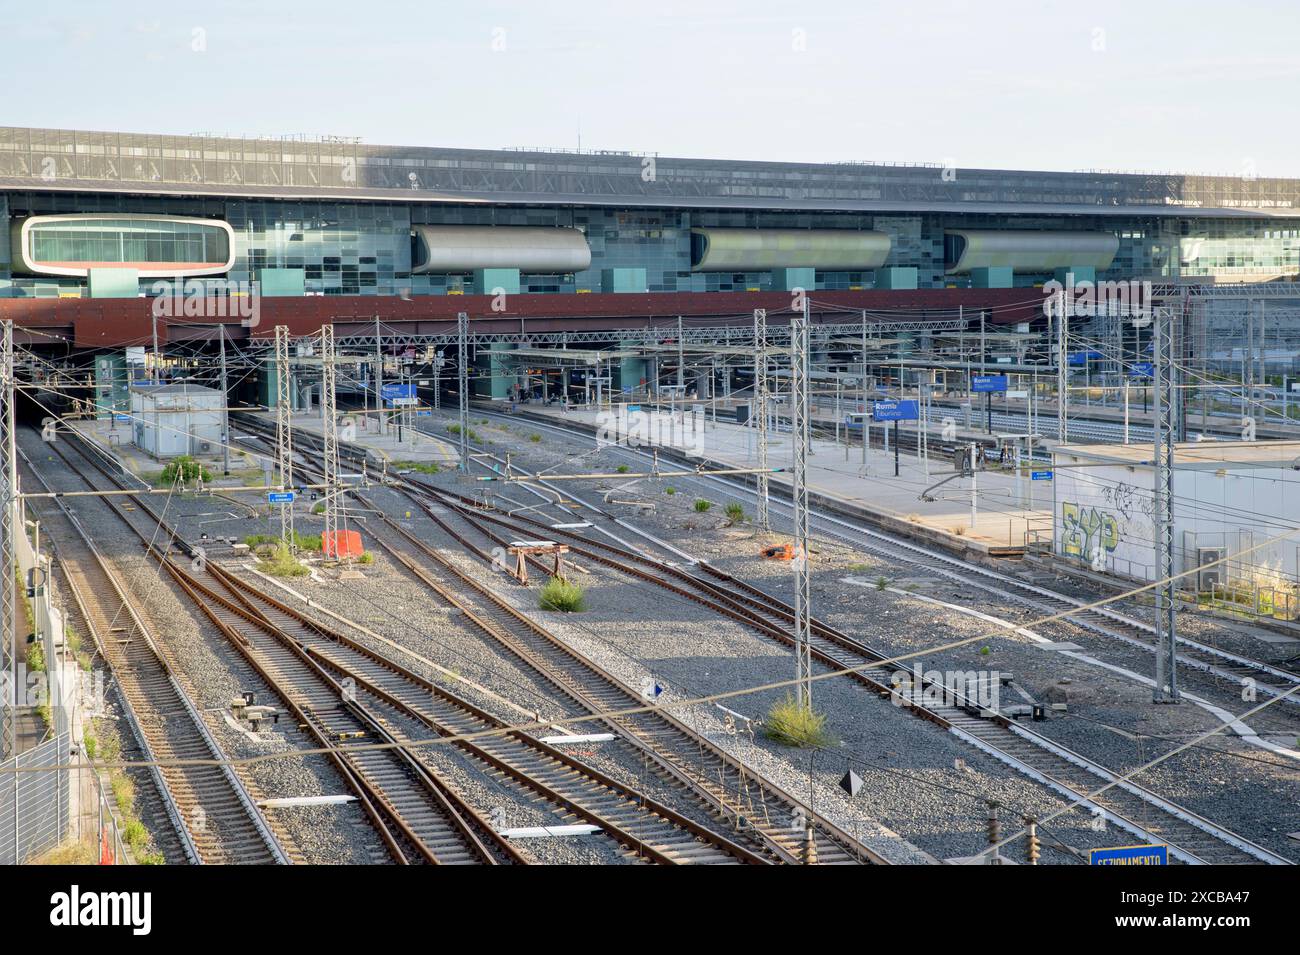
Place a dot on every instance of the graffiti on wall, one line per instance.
(1088, 533)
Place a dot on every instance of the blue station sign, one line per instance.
(895, 410)
(398, 394)
(1040, 475)
(988, 383)
(280, 497)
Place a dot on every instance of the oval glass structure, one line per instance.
(1027, 252)
(464, 248)
(757, 250)
(155, 246)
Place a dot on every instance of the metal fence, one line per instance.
(34, 800)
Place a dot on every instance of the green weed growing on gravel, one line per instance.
(563, 596)
(793, 724)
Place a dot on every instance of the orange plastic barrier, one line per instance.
(341, 544)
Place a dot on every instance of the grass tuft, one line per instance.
(563, 596)
(186, 469)
(793, 724)
(419, 467)
(736, 513)
(702, 505)
(281, 563)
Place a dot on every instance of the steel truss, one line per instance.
(799, 426)
(1166, 411)
(759, 415)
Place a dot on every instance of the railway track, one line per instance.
(211, 813)
(417, 818)
(728, 789)
(1191, 837)
(1107, 622)
(1131, 806)
(646, 830)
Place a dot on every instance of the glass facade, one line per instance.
(365, 248)
(343, 248)
(117, 241)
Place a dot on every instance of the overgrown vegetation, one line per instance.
(70, 853)
(563, 596)
(702, 505)
(622, 469)
(670, 490)
(366, 558)
(471, 433)
(134, 833)
(534, 438)
(736, 513)
(184, 469)
(268, 542)
(419, 467)
(73, 640)
(881, 583)
(281, 563)
(791, 723)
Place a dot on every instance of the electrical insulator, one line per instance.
(1032, 845)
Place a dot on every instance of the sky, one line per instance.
(1187, 86)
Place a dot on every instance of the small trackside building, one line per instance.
(171, 420)
(1234, 501)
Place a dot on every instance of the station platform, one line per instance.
(415, 447)
(1010, 509)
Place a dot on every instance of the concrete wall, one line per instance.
(1110, 508)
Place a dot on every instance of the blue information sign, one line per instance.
(1083, 357)
(398, 394)
(1041, 475)
(280, 497)
(1142, 369)
(1130, 855)
(900, 410)
(988, 383)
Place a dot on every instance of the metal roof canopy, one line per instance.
(579, 356)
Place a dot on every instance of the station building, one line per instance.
(104, 214)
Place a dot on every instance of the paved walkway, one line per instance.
(1007, 506)
(415, 446)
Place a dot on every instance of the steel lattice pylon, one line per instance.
(10, 524)
(1062, 372)
(1166, 404)
(330, 438)
(760, 415)
(283, 430)
(799, 427)
(462, 385)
